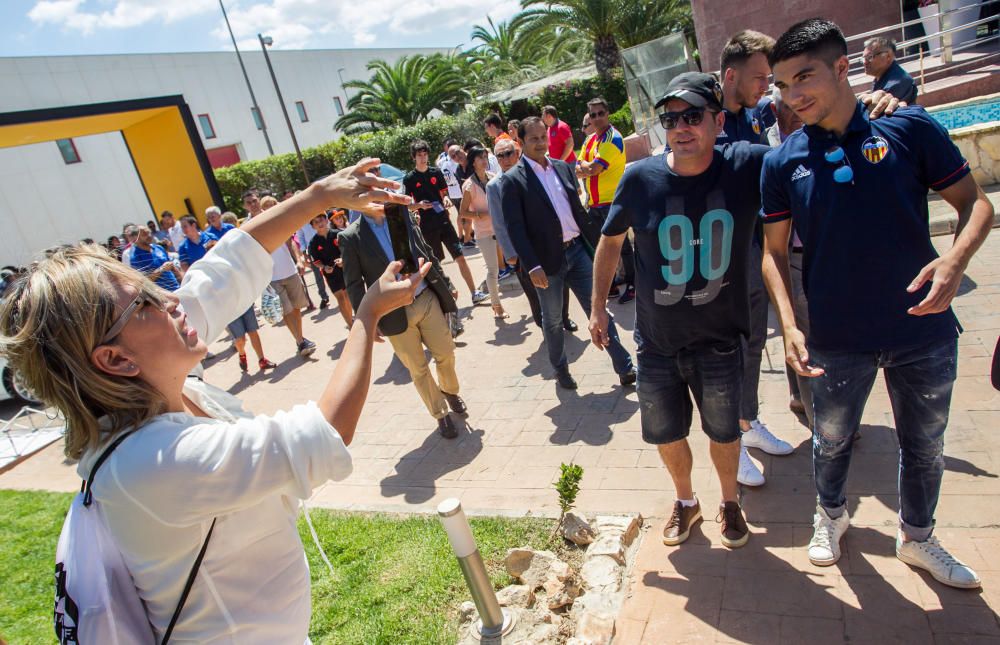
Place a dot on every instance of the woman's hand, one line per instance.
(357, 188)
(387, 293)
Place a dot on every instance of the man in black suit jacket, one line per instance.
(554, 240)
(366, 249)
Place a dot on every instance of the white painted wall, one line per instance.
(44, 202)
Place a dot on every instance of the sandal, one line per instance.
(243, 362)
(265, 364)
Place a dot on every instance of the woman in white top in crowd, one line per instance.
(113, 352)
(476, 208)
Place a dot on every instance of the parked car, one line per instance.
(12, 387)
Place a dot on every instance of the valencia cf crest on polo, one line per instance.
(875, 149)
(755, 125)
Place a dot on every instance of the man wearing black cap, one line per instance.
(692, 211)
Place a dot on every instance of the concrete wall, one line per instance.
(44, 201)
(716, 20)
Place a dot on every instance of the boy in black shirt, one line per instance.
(325, 252)
(429, 190)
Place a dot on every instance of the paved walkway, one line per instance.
(520, 427)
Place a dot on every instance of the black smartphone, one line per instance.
(399, 230)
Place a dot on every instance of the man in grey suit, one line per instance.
(366, 249)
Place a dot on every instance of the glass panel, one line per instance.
(68, 151)
(338, 105)
(206, 126)
(302, 111)
(648, 69)
(256, 118)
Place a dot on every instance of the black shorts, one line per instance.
(334, 280)
(443, 234)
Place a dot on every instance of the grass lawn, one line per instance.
(395, 578)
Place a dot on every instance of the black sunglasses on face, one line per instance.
(595, 115)
(504, 155)
(692, 116)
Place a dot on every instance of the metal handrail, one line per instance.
(926, 38)
(919, 20)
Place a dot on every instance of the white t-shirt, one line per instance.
(176, 235)
(161, 488)
(448, 168)
(284, 265)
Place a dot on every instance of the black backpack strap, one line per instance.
(188, 585)
(85, 488)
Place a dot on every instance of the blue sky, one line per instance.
(67, 27)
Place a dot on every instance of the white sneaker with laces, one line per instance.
(749, 474)
(930, 556)
(824, 547)
(758, 436)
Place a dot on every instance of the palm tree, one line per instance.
(608, 25)
(404, 93)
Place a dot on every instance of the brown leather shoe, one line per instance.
(679, 525)
(735, 531)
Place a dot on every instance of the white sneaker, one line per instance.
(824, 547)
(758, 436)
(934, 559)
(749, 474)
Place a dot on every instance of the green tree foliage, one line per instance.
(405, 93)
(608, 25)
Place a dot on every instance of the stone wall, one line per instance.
(980, 145)
(716, 20)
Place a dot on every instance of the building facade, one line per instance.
(63, 191)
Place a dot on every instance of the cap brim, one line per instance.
(695, 100)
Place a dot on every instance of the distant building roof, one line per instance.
(534, 88)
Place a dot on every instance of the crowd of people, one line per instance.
(755, 201)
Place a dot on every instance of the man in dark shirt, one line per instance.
(879, 296)
(693, 213)
(880, 62)
(429, 189)
(324, 249)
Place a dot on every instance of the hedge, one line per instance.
(281, 173)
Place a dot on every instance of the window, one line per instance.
(257, 120)
(338, 105)
(302, 111)
(68, 151)
(206, 126)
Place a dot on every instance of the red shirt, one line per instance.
(561, 136)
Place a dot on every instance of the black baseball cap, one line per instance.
(696, 88)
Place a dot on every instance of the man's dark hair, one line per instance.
(418, 145)
(494, 120)
(166, 214)
(248, 193)
(530, 122)
(190, 219)
(743, 45)
(814, 37)
(881, 43)
(597, 100)
(449, 142)
(551, 111)
(472, 143)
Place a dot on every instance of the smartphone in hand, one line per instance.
(399, 231)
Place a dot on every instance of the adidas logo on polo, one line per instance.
(801, 173)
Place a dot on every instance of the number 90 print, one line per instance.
(714, 244)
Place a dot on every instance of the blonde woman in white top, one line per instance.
(113, 352)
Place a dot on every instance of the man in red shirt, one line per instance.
(560, 136)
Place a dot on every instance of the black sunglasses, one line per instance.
(595, 115)
(692, 116)
(504, 155)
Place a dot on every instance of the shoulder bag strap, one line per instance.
(85, 489)
(188, 585)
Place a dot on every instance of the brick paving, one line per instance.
(520, 427)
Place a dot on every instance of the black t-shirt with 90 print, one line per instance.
(692, 239)
(428, 185)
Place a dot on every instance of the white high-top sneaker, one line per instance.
(824, 547)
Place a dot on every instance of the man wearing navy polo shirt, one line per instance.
(196, 243)
(218, 228)
(879, 295)
(153, 260)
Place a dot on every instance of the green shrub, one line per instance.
(281, 173)
(622, 120)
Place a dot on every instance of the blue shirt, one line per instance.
(381, 232)
(864, 242)
(151, 260)
(219, 232)
(189, 251)
(898, 82)
(745, 125)
(692, 244)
